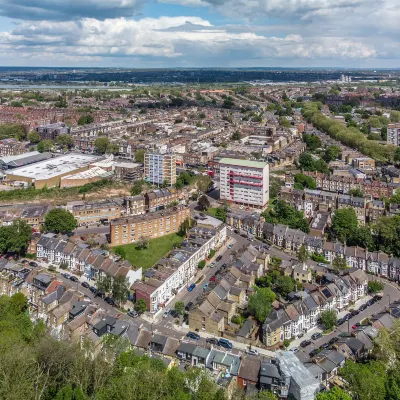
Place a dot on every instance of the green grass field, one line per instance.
(212, 211)
(157, 249)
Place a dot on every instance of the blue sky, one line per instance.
(200, 33)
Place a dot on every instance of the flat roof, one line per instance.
(243, 163)
(54, 167)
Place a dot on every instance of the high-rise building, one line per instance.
(244, 182)
(393, 134)
(160, 168)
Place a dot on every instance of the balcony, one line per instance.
(245, 176)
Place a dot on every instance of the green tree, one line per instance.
(139, 155)
(221, 214)
(397, 155)
(332, 153)
(120, 289)
(302, 254)
(65, 140)
(339, 264)
(236, 136)
(284, 122)
(313, 142)
(59, 220)
(143, 243)
(14, 238)
(120, 251)
(85, 120)
(101, 144)
(104, 284)
(304, 181)
(329, 319)
(375, 286)
(179, 307)
(356, 192)
(185, 226)
(140, 306)
(34, 137)
(203, 183)
(334, 394)
(344, 223)
(44, 145)
(275, 185)
(260, 303)
(284, 285)
(203, 203)
(136, 188)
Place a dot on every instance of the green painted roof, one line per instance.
(243, 163)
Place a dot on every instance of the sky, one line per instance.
(200, 33)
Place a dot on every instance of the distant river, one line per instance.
(60, 87)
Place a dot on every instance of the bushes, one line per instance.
(375, 286)
(201, 264)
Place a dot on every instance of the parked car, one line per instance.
(230, 246)
(347, 317)
(213, 264)
(189, 306)
(224, 266)
(356, 325)
(65, 275)
(212, 279)
(205, 287)
(295, 350)
(369, 303)
(33, 264)
(219, 258)
(191, 287)
(85, 285)
(24, 261)
(252, 352)
(324, 346)
(316, 336)
(133, 314)
(236, 231)
(213, 341)
(377, 297)
(225, 343)
(300, 335)
(341, 321)
(333, 340)
(354, 313)
(92, 289)
(167, 312)
(362, 307)
(98, 293)
(73, 278)
(193, 335)
(305, 343)
(109, 301)
(313, 353)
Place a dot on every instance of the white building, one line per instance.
(244, 182)
(160, 168)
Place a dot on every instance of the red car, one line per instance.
(212, 279)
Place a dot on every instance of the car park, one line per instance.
(225, 343)
(213, 341)
(316, 336)
(191, 287)
(85, 285)
(305, 343)
(133, 314)
(252, 352)
(193, 335)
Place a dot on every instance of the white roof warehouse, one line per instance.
(49, 172)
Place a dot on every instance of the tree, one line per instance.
(304, 181)
(332, 153)
(284, 285)
(44, 145)
(101, 144)
(302, 254)
(339, 264)
(65, 140)
(334, 394)
(179, 307)
(284, 122)
(136, 188)
(397, 155)
(203, 203)
(18, 303)
(120, 251)
(203, 183)
(139, 155)
(112, 148)
(85, 119)
(143, 243)
(236, 136)
(140, 306)
(120, 289)
(313, 142)
(263, 395)
(34, 137)
(221, 214)
(104, 284)
(344, 223)
(185, 226)
(59, 220)
(375, 286)
(329, 319)
(275, 185)
(260, 303)
(356, 192)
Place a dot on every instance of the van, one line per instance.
(225, 343)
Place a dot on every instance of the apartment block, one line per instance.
(51, 131)
(11, 147)
(160, 168)
(393, 134)
(160, 198)
(151, 225)
(244, 182)
(96, 212)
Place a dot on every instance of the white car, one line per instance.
(252, 352)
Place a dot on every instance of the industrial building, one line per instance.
(49, 172)
(160, 168)
(244, 182)
(10, 162)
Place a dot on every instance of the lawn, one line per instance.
(212, 211)
(157, 249)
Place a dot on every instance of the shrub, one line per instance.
(201, 264)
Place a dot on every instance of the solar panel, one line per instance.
(326, 293)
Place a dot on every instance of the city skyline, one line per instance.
(200, 33)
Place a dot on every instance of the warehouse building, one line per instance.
(49, 172)
(10, 162)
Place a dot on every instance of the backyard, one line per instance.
(156, 249)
